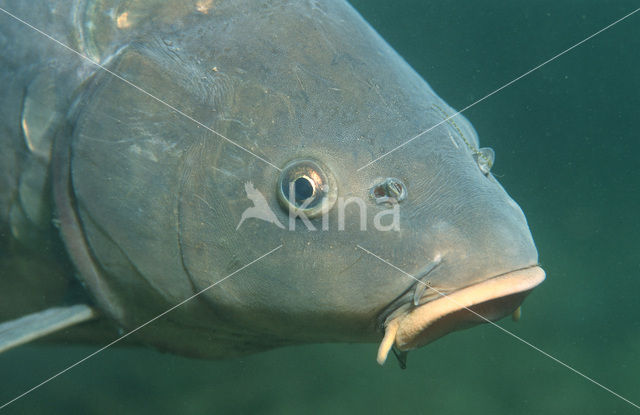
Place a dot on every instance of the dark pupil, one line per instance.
(303, 189)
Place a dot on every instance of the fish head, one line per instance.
(295, 131)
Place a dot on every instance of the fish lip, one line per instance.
(488, 300)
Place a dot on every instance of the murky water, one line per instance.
(566, 140)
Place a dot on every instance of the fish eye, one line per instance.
(306, 187)
(390, 190)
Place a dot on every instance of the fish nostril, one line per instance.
(485, 157)
(390, 190)
(379, 192)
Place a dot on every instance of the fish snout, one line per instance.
(482, 264)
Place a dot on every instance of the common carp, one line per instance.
(270, 172)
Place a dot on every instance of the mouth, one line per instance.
(483, 302)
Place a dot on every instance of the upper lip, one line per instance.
(411, 327)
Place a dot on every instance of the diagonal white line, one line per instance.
(503, 329)
(136, 329)
(499, 89)
(139, 88)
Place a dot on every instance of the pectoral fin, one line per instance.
(33, 326)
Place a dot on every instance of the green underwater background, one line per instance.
(566, 139)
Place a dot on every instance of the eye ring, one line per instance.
(306, 187)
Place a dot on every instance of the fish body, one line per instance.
(136, 175)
